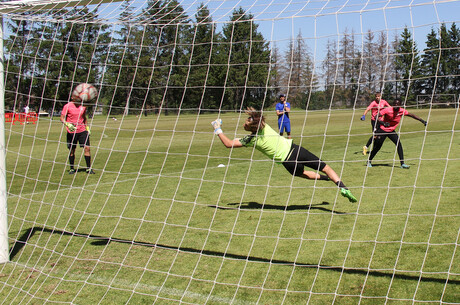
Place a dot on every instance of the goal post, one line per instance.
(4, 256)
(18, 7)
(46, 5)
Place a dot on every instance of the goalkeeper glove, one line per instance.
(70, 126)
(424, 122)
(216, 124)
(386, 124)
(87, 129)
(363, 117)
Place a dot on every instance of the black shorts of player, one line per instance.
(298, 158)
(374, 127)
(75, 138)
(382, 134)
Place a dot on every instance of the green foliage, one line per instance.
(407, 66)
(45, 60)
(248, 62)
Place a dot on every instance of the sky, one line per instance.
(320, 21)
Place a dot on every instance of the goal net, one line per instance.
(438, 100)
(172, 215)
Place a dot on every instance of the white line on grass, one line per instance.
(111, 182)
(127, 285)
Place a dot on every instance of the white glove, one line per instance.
(216, 124)
(70, 126)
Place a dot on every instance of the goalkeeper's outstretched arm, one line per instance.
(228, 142)
(416, 117)
(225, 140)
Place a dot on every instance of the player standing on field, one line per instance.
(390, 118)
(73, 116)
(375, 106)
(283, 151)
(282, 111)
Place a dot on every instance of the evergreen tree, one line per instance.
(370, 67)
(204, 88)
(330, 68)
(454, 58)
(443, 81)
(349, 63)
(123, 93)
(166, 44)
(383, 61)
(248, 62)
(20, 47)
(50, 58)
(407, 66)
(298, 74)
(276, 75)
(429, 61)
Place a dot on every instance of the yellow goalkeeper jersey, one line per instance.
(270, 143)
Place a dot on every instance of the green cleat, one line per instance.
(404, 165)
(89, 171)
(346, 193)
(72, 171)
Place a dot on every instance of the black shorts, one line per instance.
(383, 134)
(79, 137)
(298, 158)
(373, 125)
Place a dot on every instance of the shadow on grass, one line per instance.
(102, 241)
(381, 165)
(257, 206)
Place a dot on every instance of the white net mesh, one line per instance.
(171, 215)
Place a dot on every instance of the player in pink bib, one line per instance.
(375, 107)
(73, 116)
(387, 122)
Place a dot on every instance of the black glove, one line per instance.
(424, 122)
(386, 124)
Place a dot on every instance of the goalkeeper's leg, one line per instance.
(301, 157)
(344, 191)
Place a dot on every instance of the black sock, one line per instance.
(324, 177)
(341, 185)
(368, 144)
(88, 161)
(71, 161)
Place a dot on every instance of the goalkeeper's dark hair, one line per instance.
(256, 121)
(396, 102)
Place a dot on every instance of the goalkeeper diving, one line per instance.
(282, 150)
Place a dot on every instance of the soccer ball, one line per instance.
(85, 92)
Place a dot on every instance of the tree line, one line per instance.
(162, 60)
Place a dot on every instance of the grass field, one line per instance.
(160, 222)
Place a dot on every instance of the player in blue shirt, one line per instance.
(282, 111)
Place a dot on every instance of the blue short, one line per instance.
(284, 125)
